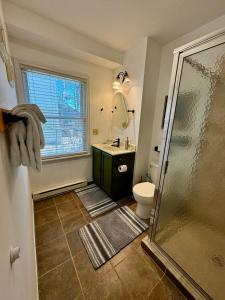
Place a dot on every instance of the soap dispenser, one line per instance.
(127, 144)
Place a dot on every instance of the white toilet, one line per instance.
(144, 194)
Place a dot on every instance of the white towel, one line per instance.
(22, 144)
(32, 140)
(14, 144)
(24, 107)
(38, 116)
(27, 136)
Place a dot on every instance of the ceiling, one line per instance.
(121, 23)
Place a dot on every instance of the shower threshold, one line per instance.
(190, 289)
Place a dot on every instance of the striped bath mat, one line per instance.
(95, 200)
(106, 236)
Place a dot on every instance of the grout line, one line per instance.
(54, 268)
(71, 257)
(49, 241)
(43, 208)
(155, 285)
(63, 201)
(37, 227)
(123, 284)
(47, 222)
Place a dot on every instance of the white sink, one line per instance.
(114, 150)
(111, 148)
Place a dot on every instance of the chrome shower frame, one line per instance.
(206, 42)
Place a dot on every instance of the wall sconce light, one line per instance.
(122, 79)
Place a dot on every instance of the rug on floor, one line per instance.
(95, 200)
(106, 236)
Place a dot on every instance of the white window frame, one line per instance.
(18, 66)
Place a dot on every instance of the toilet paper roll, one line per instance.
(122, 168)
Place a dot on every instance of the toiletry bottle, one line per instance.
(127, 144)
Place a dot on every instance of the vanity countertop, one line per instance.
(114, 150)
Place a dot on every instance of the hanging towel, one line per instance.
(37, 114)
(24, 107)
(14, 144)
(32, 140)
(26, 137)
(22, 144)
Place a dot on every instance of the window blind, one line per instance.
(64, 103)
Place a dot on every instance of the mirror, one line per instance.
(120, 114)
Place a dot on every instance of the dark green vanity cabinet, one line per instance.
(106, 175)
(97, 160)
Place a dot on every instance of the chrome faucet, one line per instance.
(116, 143)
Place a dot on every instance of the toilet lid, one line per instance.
(144, 189)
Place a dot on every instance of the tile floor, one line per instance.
(64, 269)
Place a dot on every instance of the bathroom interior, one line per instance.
(112, 130)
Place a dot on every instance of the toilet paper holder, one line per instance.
(122, 168)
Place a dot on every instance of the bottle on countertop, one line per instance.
(127, 144)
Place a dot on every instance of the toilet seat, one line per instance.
(144, 189)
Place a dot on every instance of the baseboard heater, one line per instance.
(57, 190)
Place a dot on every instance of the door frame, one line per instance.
(206, 42)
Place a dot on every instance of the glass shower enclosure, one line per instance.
(189, 225)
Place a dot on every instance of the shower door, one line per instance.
(190, 227)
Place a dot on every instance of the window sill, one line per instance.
(66, 157)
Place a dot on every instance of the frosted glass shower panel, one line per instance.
(191, 224)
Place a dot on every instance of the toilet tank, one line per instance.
(153, 171)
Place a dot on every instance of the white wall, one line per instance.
(142, 64)
(16, 215)
(100, 92)
(134, 64)
(151, 75)
(164, 76)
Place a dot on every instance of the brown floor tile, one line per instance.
(48, 232)
(133, 206)
(80, 297)
(44, 216)
(52, 254)
(67, 208)
(131, 274)
(87, 274)
(86, 215)
(121, 255)
(60, 283)
(109, 287)
(73, 221)
(140, 251)
(42, 204)
(78, 201)
(165, 290)
(125, 201)
(137, 241)
(74, 242)
(138, 277)
(64, 198)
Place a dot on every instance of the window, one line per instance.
(63, 101)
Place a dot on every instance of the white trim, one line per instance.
(64, 157)
(58, 189)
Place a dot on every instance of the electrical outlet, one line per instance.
(95, 131)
